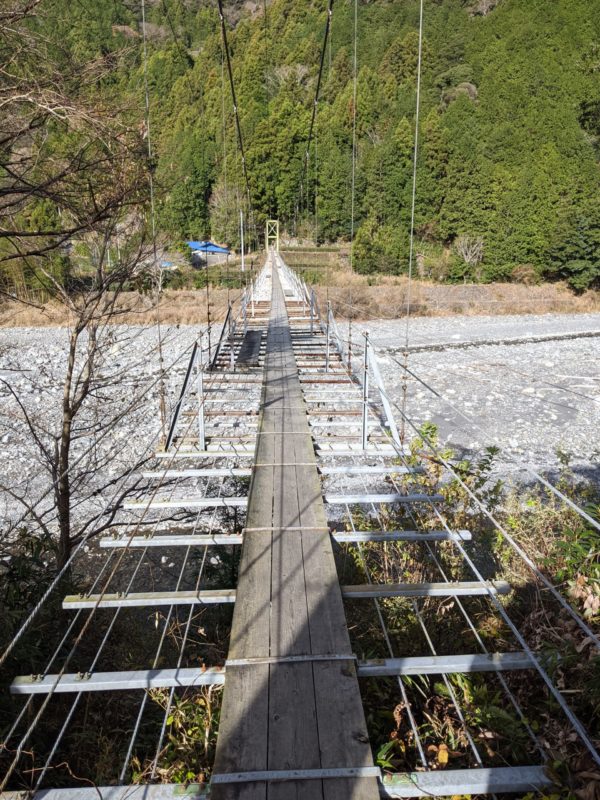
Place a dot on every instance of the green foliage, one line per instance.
(576, 253)
(191, 734)
(21, 586)
(509, 132)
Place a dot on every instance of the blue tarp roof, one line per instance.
(207, 247)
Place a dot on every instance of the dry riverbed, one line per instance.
(529, 384)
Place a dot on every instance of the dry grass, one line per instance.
(385, 297)
(354, 296)
(182, 307)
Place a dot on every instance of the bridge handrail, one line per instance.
(182, 395)
(221, 338)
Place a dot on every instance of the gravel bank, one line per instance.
(528, 384)
(533, 397)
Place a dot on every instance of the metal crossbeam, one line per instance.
(206, 472)
(150, 599)
(208, 676)
(392, 497)
(401, 536)
(239, 451)
(344, 423)
(227, 539)
(442, 783)
(369, 469)
(438, 783)
(343, 448)
(189, 502)
(458, 589)
(143, 791)
(209, 596)
(173, 540)
(436, 665)
(118, 681)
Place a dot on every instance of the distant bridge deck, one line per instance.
(304, 714)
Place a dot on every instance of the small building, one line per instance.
(202, 250)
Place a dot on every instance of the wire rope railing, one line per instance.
(56, 679)
(573, 720)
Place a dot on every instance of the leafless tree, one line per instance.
(470, 249)
(71, 165)
(73, 209)
(483, 7)
(75, 436)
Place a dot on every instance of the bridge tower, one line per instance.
(272, 234)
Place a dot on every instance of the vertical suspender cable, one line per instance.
(353, 177)
(157, 272)
(412, 213)
(316, 188)
(235, 111)
(304, 179)
(224, 128)
(354, 97)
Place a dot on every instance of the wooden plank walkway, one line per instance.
(301, 715)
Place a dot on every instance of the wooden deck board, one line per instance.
(289, 603)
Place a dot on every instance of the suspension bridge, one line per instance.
(284, 452)
(281, 401)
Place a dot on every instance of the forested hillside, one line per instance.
(509, 168)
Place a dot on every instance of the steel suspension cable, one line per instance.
(388, 641)
(304, 178)
(78, 696)
(511, 541)
(483, 508)
(418, 614)
(238, 126)
(413, 204)
(60, 574)
(353, 168)
(413, 201)
(158, 652)
(461, 607)
(104, 641)
(53, 658)
(171, 608)
(79, 638)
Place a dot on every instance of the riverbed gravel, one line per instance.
(527, 384)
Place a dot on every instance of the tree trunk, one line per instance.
(63, 496)
(62, 487)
